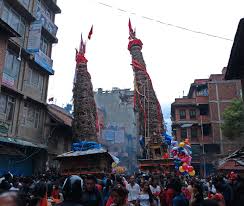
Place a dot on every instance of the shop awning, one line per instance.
(11, 140)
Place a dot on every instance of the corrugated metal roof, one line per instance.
(87, 152)
(11, 140)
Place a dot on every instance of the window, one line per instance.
(31, 116)
(193, 132)
(202, 91)
(212, 148)
(12, 65)
(204, 109)
(14, 20)
(182, 114)
(192, 114)
(35, 79)
(36, 119)
(45, 9)
(183, 133)
(7, 106)
(206, 129)
(44, 45)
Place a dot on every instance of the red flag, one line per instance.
(130, 27)
(90, 33)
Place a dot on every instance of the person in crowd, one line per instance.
(72, 191)
(240, 193)
(5, 181)
(197, 195)
(15, 185)
(119, 196)
(134, 190)
(55, 194)
(107, 191)
(91, 196)
(179, 199)
(39, 194)
(145, 197)
(169, 193)
(225, 189)
(156, 190)
(13, 198)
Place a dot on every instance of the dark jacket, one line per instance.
(180, 200)
(93, 198)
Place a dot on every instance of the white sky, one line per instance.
(174, 57)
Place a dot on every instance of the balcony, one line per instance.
(50, 29)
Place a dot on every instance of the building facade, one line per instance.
(235, 68)
(199, 115)
(25, 65)
(117, 124)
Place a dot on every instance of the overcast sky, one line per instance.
(174, 57)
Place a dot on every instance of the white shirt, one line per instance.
(14, 189)
(144, 199)
(156, 190)
(133, 191)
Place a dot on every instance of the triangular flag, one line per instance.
(130, 27)
(81, 44)
(90, 33)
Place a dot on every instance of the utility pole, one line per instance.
(203, 152)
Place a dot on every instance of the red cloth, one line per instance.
(110, 201)
(133, 42)
(169, 196)
(55, 194)
(99, 187)
(130, 27)
(80, 58)
(43, 201)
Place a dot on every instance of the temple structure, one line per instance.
(150, 117)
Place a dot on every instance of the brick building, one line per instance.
(198, 116)
(25, 63)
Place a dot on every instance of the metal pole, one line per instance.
(203, 152)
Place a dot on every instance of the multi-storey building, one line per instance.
(25, 64)
(199, 115)
(117, 124)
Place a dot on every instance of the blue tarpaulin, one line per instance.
(84, 145)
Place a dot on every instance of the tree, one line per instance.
(233, 116)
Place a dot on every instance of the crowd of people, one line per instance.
(119, 190)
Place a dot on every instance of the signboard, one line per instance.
(44, 61)
(34, 40)
(8, 80)
(46, 22)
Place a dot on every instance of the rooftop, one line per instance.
(60, 114)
